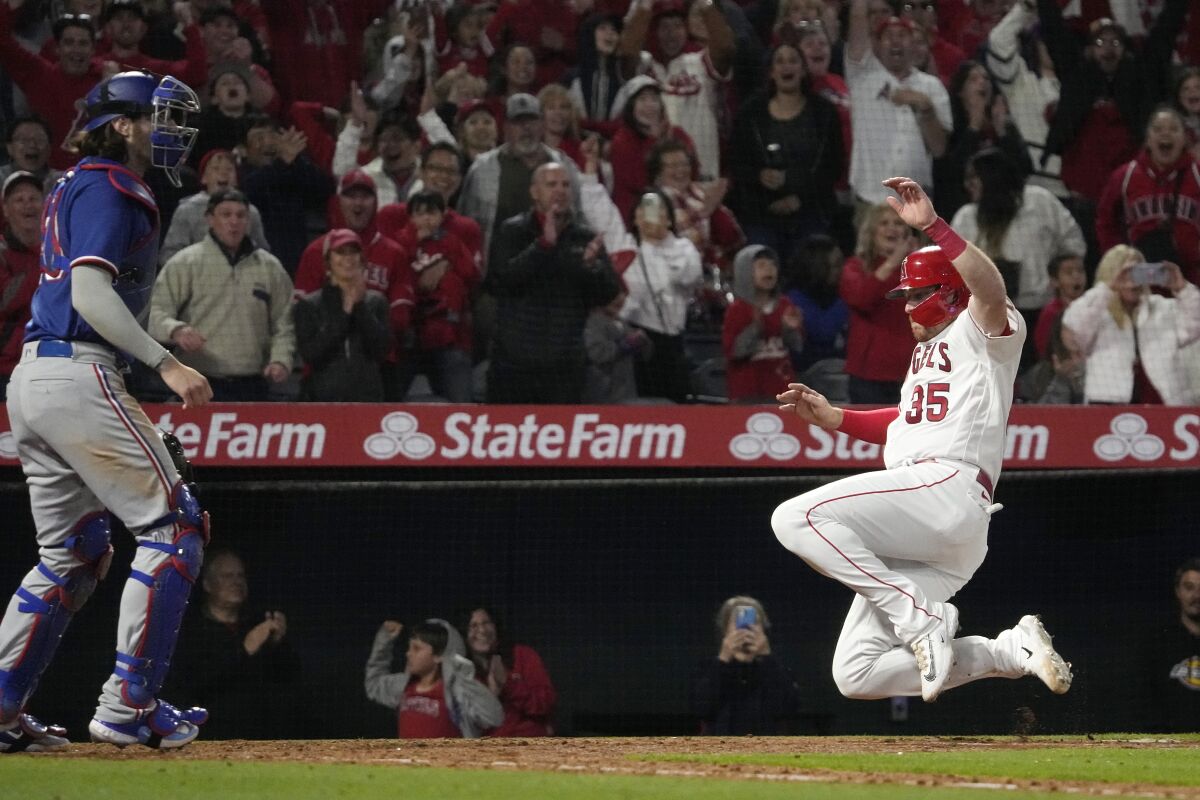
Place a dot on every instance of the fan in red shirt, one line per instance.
(52, 87)
(444, 275)
(124, 23)
(548, 27)
(19, 267)
(441, 172)
(424, 713)
(879, 343)
(1153, 201)
(515, 674)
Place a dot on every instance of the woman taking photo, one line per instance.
(1132, 337)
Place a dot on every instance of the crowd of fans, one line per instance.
(633, 200)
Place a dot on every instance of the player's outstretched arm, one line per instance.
(810, 406)
(93, 297)
(989, 301)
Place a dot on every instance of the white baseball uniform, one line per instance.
(907, 538)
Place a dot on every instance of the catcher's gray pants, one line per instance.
(85, 445)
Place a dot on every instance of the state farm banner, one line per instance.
(369, 435)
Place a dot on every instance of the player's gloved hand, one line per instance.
(191, 386)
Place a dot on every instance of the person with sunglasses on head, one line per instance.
(51, 87)
(1109, 89)
(88, 450)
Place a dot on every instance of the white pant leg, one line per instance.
(928, 513)
(871, 663)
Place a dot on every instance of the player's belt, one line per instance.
(54, 348)
(88, 352)
(981, 478)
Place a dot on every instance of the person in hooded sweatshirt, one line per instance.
(761, 331)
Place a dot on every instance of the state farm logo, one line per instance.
(1129, 438)
(764, 436)
(478, 437)
(399, 436)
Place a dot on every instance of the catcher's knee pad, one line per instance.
(52, 609)
(185, 512)
(91, 544)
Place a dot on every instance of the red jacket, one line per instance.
(392, 219)
(317, 49)
(879, 344)
(528, 696)
(442, 316)
(19, 273)
(1135, 202)
(1103, 143)
(387, 274)
(768, 371)
(192, 69)
(628, 156)
(50, 92)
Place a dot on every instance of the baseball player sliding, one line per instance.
(85, 444)
(907, 538)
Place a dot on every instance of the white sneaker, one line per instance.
(935, 654)
(164, 727)
(1038, 656)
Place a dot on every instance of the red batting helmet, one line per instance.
(929, 266)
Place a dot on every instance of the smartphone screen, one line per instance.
(1149, 274)
(746, 616)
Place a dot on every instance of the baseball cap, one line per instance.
(895, 22)
(340, 237)
(469, 107)
(17, 178)
(207, 157)
(356, 179)
(522, 105)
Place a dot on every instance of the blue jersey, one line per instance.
(98, 214)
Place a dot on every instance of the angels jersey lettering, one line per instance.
(957, 395)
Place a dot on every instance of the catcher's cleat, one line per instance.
(164, 727)
(935, 654)
(1038, 656)
(29, 735)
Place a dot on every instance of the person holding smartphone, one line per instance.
(1134, 338)
(745, 689)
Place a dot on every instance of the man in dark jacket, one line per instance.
(547, 272)
(1108, 91)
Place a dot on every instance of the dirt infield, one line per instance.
(634, 756)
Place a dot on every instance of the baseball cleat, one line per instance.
(29, 735)
(1039, 656)
(935, 654)
(165, 727)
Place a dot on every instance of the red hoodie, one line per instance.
(1136, 200)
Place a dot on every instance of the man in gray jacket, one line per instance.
(226, 306)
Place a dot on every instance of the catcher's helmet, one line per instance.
(927, 267)
(166, 100)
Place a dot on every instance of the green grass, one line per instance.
(48, 778)
(1167, 767)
